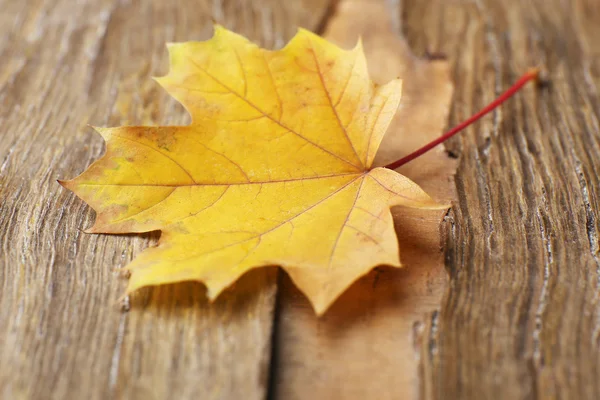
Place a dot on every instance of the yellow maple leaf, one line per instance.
(275, 169)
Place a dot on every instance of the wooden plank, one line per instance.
(521, 316)
(364, 346)
(66, 64)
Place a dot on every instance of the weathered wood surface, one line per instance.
(66, 64)
(520, 314)
(365, 343)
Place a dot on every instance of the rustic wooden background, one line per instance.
(515, 315)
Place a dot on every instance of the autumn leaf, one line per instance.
(275, 169)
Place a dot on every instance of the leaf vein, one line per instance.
(207, 207)
(335, 113)
(237, 56)
(161, 153)
(390, 190)
(276, 226)
(372, 131)
(343, 92)
(279, 101)
(220, 184)
(364, 234)
(337, 239)
(145, 209)
(200, 68)
(235, 164)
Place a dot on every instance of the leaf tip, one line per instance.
(359, 44)
(161, 80)
(442, 206)
(133, 285)
(104, 132)
(303, 32)
(211, 295)
(217, 27)
(212, 292)
(98, 227)
(321, 304)
(172, 50)
(320, 309)
(67, 184)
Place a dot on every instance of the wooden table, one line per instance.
(506, 306)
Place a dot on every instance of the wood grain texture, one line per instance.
(521, 315)
(66, 64)
(364, 346)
